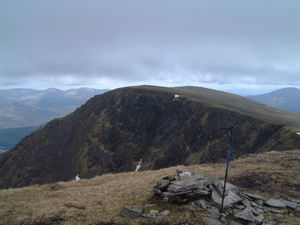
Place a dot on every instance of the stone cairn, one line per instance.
(205, 193)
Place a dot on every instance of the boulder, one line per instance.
(275, 203)
(132, 211)
(210, 221)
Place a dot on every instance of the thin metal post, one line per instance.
(229, 155)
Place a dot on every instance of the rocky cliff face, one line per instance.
(111, 132)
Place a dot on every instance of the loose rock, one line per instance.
(151, 213)
(275, 203)
(163, 184)
(294, 200)
(290, 204)
(256, 197)
(201, 203)
(164, 213)
(234, 223)
(132, 211)
(268, 222)
(277, 211)
(210, 221)
(206, 194)
(230, 200)
(249, 215)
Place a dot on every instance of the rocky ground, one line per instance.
(205, 194)
(107, 199)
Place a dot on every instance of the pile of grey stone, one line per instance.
(206, 193)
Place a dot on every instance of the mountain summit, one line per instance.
(162, 126)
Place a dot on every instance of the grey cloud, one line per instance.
(254, 42)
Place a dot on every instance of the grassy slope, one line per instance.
(232, 102)
(100, 199)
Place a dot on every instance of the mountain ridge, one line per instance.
(112, 131)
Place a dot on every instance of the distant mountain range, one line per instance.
(162, 126)
(22, 110)
(28, 107)
(285, 98)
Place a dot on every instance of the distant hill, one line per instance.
(113, 131)
(28, 107)
(23, 110)
(285, 98)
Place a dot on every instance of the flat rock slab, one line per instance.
(210, 221)
(248, 215)
(174, 194)
(132, 211)
(277, 211)
(202, 192)
(193, 177)
(290, 204)
(219, 184)
(275, 203)
(230, 199)
(294, 200)
(185, 185)
(256, 197)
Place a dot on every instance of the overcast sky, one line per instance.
(241, 46)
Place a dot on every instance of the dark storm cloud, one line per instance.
(254, 42)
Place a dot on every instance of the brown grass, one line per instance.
(100, 199)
